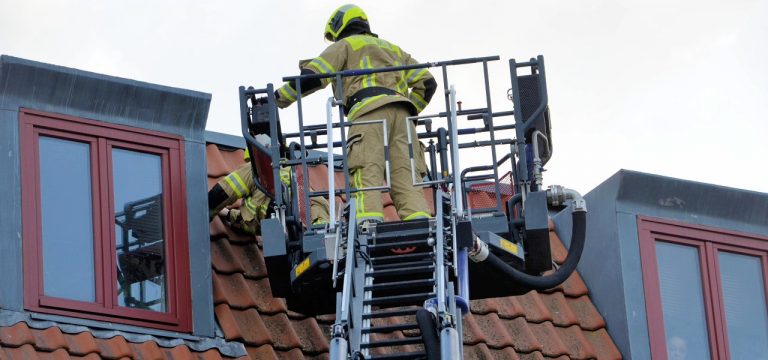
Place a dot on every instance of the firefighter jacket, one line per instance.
(364, 93)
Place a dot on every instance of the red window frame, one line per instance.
(708, 241)
(102, 137)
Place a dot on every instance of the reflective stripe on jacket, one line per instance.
(367, 52)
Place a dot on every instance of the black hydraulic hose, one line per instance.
(547, 282)
(427, 325)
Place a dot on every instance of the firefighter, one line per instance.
(387, 95)
(239, 184)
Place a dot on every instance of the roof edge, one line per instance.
(9, 59)
(165, 339)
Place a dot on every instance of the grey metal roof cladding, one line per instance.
(61, 90)
(235, 142)
(53, 88)
(611, 264)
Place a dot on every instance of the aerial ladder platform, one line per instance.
(399, 289)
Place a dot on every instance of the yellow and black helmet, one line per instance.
(342, 18)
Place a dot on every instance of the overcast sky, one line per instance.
(675, 88)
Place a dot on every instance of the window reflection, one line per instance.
(67, 219)
(139, 235)
(682, 301)
(745, 305)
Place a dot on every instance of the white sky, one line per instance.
(675, 88)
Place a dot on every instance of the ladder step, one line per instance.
(400, 356)
(390, 313)
(397, 226)
(403, 264)
(388, 259)
(398, 244)
(399, 234)
(402, 271)
(400, 284)
(390, 328)
(394, 342)
(398, 299)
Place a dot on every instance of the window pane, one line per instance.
(745, 306)
(67, 219)
(682, 300)
(138, 187)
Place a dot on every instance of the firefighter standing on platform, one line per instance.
(239, 184)
(386, 95)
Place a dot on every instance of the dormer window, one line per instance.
(705, 291)
(104, 222)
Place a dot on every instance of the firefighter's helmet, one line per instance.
(342, 18)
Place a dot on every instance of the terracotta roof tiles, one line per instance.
(148, 350)
(20, 341)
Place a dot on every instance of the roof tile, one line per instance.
(211, 354)
(535, 309)
(59, 354)
(473, 334)
(49, 339)
(293, 354)
(523, 338)
(82, 344)
(265, 352)
(251, 259)
(219, 293)
(510, 307)
(495, 332)
(283, 334)
(262, 292)
(23, 352)
(578, 345)
(114, 348)
(484, 306)
(551, 344)
(506, 307)
(227, 322)
(91, 356)
(588, 316)
(251, 327)
(223, 257)
(536, 355)
(217, 165)
(16, 335)
(178, 352)
(559, 252)
(234, 290)
(482, 352)
(559, 310)
(504, 353)
(573, 286)
(148, 350)
(313, 339)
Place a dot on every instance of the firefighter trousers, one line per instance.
(365, 152)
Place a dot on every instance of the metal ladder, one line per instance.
(396, 280)
(395, 268)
